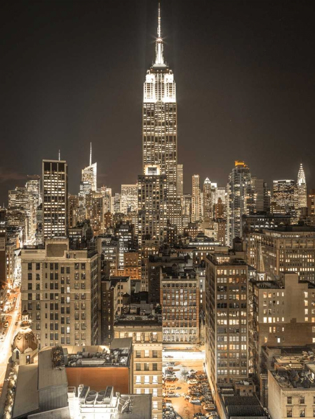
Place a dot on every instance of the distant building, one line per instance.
(283, 200)
(180, 180)
(196, 209)
(301, 188)
(152, 201)
(89, 174)
(129, 198)
(55, 198)
(240, 199)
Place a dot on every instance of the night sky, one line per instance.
(73, 71)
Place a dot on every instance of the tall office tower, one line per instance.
(260, 191)
(129, 198)
(301, 188)
(3, 261)
(180, 180)
(159, 141)
(116, 203)
(89, 173)
(73, 206)
(283, 199)
(240, 199)
(207, 200)
(152, 204)
(124, 233)
(95, 211)
(34, 199)
(107, 196)
(60, 290)
(195, 199)
(55, 198)
(226, 349)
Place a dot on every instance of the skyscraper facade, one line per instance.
(301, 188)
(55, 198)
(180, 180)
(195, 199)
(240, 199)
(159, 140)
(89, 173)
(129, 198)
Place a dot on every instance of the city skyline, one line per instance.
(48, 129)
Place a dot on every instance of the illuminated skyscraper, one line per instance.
(195, 199)
(159, 141)
(129, 198)
(55, 198)
(89, 173)
(301, 188)
(180, 180)
(240, 199)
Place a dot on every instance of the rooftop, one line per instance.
(293, 371)
(117, 355)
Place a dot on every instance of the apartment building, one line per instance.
(60, 290)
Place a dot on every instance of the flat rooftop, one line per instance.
(116, 355)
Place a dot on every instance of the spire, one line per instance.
(301, 175)
(90, 154)
(59, 154)
(159, 57)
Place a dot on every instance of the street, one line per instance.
(5, 346)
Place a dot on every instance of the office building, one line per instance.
(226, 349)
(288, 249)
(55, 198)
(180, 305)
(207, 200)
(89, 174)
(159, 140)
(240, 200)
(129, 198)
(152, 208)
(301, 188)
(196, 209)
(180, 180)
(283, 200)
(281, 315)
(60, 291)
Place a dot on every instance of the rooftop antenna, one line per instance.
(159, 58)
(59, 155)
(91, 154)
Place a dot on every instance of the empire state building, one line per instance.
(159, 142)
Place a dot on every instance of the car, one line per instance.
(192, 381)
(194, 401)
